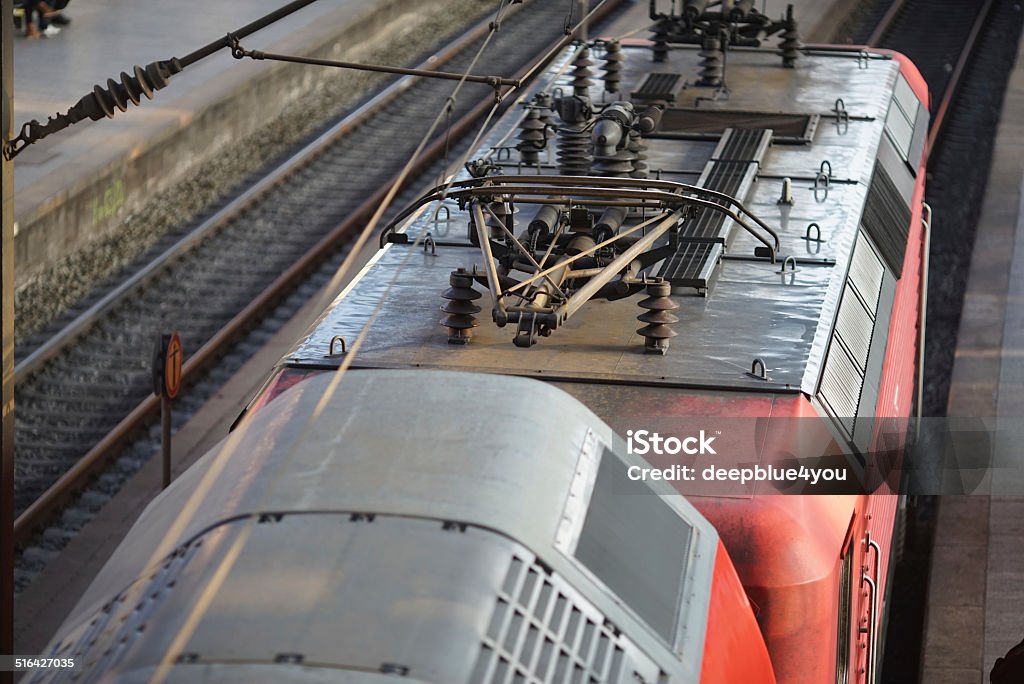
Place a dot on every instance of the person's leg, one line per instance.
(41, 8)
(32, 18)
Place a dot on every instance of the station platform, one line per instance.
(133, 136)
(80, 183)
(976, 588)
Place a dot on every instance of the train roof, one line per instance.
(841, 118)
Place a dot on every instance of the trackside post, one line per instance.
(166, 383)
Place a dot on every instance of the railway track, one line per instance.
(85, 393)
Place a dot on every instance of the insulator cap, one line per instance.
(613, 59)
(659, 304)
(711, 63)
(103, 102)
(638, 148)
(532, 137)
(582, 74)
(459, 308)
(575, 151)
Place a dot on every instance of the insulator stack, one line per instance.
(658, 317)
(660, 48)
(618, 165)
(613, 66)
(532, 137)
(500, 214)
(575, 151)
(459, 310)
(582, 73)
(638, 148)
(102, 103)
(545, 104)
(711, 63)
(790, 46)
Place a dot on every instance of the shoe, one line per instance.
(50, 31)
(59, 19)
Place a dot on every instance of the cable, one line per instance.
(143, 81)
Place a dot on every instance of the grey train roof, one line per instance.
(753, 311)
(435, 525)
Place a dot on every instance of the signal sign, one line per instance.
(167, 366)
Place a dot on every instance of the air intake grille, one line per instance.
(659, 87)
(730, 172)
(887, 219)
(538, 634)
(114, 629)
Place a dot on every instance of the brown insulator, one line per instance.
(658, 317)
(575, 151)
(618, 165)
(790, 46)
(612, 66)
(638, 148)
(545, 104)
(500, 214)
(532, 137)
(711, 62)
(459, 308)
(659, 50)
(582, 73)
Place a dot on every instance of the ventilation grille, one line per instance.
(115, 628)
(866, 272)
(537, 634)
(846, 363)
(731, 172)
(887, 219)
(854, 327)
(659, 87)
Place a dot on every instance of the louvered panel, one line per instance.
(659, 87)
(866, 272)
(115, 628)
(537, 634)
(730, 170)
(887, 219)
(841, 383)
(854, 327)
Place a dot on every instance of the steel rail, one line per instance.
(939, 115)
(883, 26)
(64, 488)
(954, 79)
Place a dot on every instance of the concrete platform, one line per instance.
(976, 590)
(80, 183)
